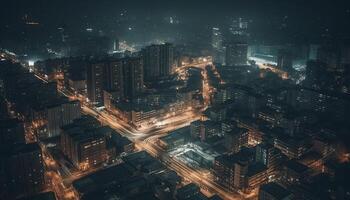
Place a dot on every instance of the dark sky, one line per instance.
(303, 17)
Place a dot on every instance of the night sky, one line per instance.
(297, 20)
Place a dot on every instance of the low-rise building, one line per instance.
(274, 191)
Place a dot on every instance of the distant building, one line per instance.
(239, 27)
(217, 45)
(217, 39)
(116, 44)
(21, 171)
(285, 61)
(317, 76)
(236, 53)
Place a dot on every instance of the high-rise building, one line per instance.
(114, 77)
(85, 145)
(317, 75)
(151, 59)
(285, 61)
(239, 26)
(166, 59)
(313, 49)
(217, 45)
(61, 114)
(123, 76)
(116, 45)
(217, 39)
(158, 60)
(21, 171)
(132, 77)
(95, 81)
(236, 53)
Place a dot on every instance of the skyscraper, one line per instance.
(95, 81)
(239, 26)
(217, 45)
(236, 53)
(158, 60)
(132, 76)
(114, 77)
(216, 40)
(61, 114)
(285, 61)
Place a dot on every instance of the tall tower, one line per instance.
(115, 77)
(158, 60)
(217, 45)
(239, 27)
(216, 40)
(132, 76)
(96, 81)
(285, 61)
(166, 59)
(236, 53)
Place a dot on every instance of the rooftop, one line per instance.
(102, 178)
(296, 166)
(275, 190)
